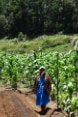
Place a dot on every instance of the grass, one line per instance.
(48, 43)
(62, 48)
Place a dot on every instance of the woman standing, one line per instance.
(42, 88)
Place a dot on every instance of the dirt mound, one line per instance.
(21, 103)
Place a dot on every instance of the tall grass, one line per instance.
(51, 42)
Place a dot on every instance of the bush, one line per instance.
(47, 43)
(22, 37)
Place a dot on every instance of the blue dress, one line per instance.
(42, 97)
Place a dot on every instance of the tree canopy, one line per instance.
(36, 17)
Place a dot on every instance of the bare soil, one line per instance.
(21, 103)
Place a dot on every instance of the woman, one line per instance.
(42, 88)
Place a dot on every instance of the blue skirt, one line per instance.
(42, 97)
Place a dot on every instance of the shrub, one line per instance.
(22, 37)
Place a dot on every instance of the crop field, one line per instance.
(19, 70)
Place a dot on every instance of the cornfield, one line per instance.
(17, 69)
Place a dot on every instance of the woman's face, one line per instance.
(42, 71)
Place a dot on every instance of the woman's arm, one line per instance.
(47, 86)
(35, 83)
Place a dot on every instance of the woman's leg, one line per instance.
(43, 109)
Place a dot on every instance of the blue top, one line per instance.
(42, 97)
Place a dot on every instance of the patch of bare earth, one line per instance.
(21, 103)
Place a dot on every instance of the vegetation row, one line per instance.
(20, 69)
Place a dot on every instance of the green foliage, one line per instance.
(22, 68)
(22, 37)
(3, 25)
(48, 43)
(40, 17)
(74, 103)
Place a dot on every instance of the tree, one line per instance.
(36, 17)
(3, 25)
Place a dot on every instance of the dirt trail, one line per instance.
(22, 104)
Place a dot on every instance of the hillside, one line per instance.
(61, 43)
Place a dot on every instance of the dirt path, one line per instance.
(22, 104)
